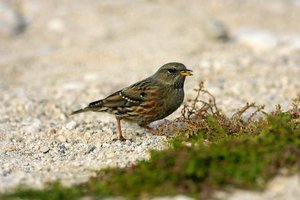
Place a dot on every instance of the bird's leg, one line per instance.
(119, 129)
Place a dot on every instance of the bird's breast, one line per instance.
(173, 100)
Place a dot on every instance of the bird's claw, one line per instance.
(122, 139)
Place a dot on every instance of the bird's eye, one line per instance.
(143, 94)
(171, 71)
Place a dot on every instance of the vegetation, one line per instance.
(210, 151)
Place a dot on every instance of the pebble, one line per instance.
(44, 149)
(296, 2)
(56, 25)
(62, 148)
(258, 40)
(278, 188)
(215, 29)
(71, 125)
(61, 138)
(52, 131)
(90, 149)
(12, 21)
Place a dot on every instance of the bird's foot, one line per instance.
(122, 139)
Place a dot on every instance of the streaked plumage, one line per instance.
(148, 100)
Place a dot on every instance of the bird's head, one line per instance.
(172, 74)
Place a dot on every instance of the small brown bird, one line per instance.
(151, 99)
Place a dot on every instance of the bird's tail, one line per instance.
(96, 106)
(80, 111)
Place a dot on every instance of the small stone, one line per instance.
(258, 40)
(71, 125)
(111, 155)
(138, 141)
(56, 25)
(90, 149)
(90, 77)
(105, 145)
(215, 29)
(62, 149)
(61, 138)
(52, 131)
(12, 21)
(44, 149)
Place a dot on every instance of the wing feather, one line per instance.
(130, 96)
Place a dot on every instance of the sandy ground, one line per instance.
(69, 53)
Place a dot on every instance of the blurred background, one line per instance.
(106, 44)
(85, 49)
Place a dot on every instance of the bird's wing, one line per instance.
(129, 96)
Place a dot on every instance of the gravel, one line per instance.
(66, 59)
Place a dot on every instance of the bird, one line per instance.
(146, 101)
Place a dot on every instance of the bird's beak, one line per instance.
(186, 72)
